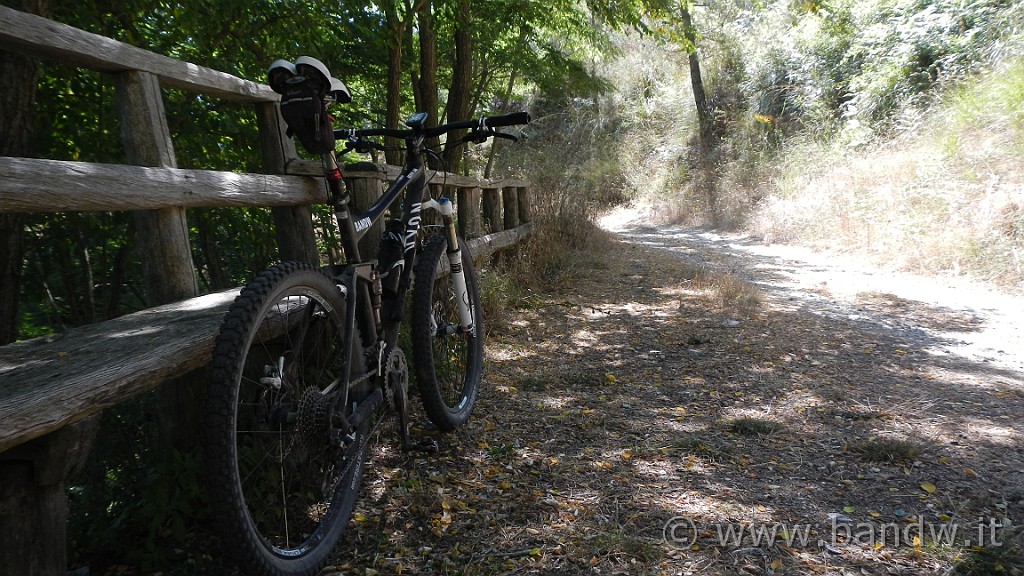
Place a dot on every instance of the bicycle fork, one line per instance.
(445, 207)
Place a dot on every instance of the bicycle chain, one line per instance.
(366, 437)
(362, 445)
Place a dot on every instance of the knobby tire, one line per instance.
(448, 362)
(282, 493)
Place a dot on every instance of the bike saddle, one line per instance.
(306, 68)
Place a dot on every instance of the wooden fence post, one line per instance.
(34, 501)
(510, 207)
(163, 241)
(293, 225)
(366, 191)
(468, 205)
(162, 234)
(524, 205)
(492, 209)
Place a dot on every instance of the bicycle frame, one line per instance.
(377, 311)
(379, 315)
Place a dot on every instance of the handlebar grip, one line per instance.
(514, 119)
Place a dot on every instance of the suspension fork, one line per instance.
(445, 207)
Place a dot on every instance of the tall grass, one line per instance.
(570, 157)
(947, 197)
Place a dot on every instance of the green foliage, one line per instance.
(137, 502)
(76, 119)
(995, 106)
(908, 46)
(78, 266)
(499, 295)
(82, 272)
(845, 66)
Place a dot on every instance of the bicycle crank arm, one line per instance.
(424, 445)
(365, 410)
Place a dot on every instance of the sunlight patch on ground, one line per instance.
(662, 469)
(686, 426)
(680, 290)
(756, 413)
(585, 338)
(504, 353)
(992, 433)
(558, 402)
(644, 313)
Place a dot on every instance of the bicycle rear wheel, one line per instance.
(448, 361)
(282, 488)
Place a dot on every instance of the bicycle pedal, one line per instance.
(425, 445)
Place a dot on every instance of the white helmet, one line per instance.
(282, 72)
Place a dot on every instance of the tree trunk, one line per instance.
(427, 83)
(396, 27)
(12, 232)
(117, 280)
(462, 82)
(494, 143)
(18, 103)
(704, 119)
(211, 254)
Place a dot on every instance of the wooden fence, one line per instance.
(51, 388)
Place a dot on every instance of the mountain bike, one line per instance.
(307, 364)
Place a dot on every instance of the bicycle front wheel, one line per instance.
(448, 360)
(282, 481)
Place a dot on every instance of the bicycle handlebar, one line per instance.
(485, 122)
(513, 119)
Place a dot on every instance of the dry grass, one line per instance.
(732, 292)
(886, 450)
(905, 204)
(948, 197)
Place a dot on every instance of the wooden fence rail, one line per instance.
(52, 388)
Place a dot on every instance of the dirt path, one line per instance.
(657, 418)
(970, 321)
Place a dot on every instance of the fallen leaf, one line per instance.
(928, 487)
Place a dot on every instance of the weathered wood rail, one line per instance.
(52, 387)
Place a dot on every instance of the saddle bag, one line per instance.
(305, 112)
